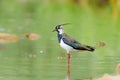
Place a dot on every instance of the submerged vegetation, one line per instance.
(112, 77)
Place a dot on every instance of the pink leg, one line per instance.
(68, 55)
(68, 72)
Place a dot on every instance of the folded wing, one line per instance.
(75, 44)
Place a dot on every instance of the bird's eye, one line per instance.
(59, 27)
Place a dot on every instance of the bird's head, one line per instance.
(59, 28)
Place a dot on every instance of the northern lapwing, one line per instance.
(70, 44)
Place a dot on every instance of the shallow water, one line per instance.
(43, 59)
(20, 63)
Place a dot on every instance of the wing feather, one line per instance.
(75, 44)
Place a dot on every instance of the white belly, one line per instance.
(66, 47)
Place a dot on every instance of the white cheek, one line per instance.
(60, 31)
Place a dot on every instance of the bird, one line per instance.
(70, 44)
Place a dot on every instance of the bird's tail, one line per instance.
(86, 48)
(89, 48)
(98, 45)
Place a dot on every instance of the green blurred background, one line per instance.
(43, 59)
